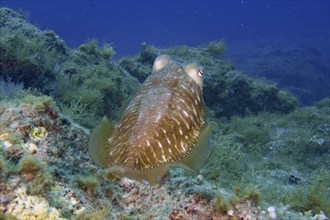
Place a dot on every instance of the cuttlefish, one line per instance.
(163, 126)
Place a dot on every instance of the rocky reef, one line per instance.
(269, 160)
(83, 78)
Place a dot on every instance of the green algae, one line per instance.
(78, 111)
(224, 163)
(217, 48)
(28, 55)
(274, 148)
(91, 82)
(30, 164)
(222, 206)
(35, 171)
(95, 215)
(2, 164)
(314, 196)
(88, 183)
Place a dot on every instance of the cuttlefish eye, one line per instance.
(200, 72)
(195, 72)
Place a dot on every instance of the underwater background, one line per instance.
(285, 41)
(66, 64)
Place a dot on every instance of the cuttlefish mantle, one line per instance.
(163, 126)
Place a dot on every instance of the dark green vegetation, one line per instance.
(35, 171)
(28, 55)
(91, 85)
(286, 157)
(30, 164)
(88, 183)
(85, 82)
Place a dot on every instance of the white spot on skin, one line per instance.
(163, 130)
(185, 121)
(154, 154)
(199, 98)
(163, 156)
(180, 131)
(174, 137)
(182, 146)
(185, 113)
(160, 144)
(195, 112)
(176, 120)
(158, 117)
(157, 135)
(168, 140)
(145, 156)
(144, 164)
(182, 100)
(148, 143)
(183, 87)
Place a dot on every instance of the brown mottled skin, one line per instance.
(161, 123)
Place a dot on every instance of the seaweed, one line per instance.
(33, 170)
(314, 196)
(30, 164)
(224, 163)
(88, 183)
(217, 48)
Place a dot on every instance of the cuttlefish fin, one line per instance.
(196, 160)
(98, 145)
(152, 176)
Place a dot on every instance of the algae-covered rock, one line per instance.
(84, 81)
(285, 156)
(91, 85)
(30, 207)
(27, 54)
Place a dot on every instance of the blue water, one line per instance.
(125, 24)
